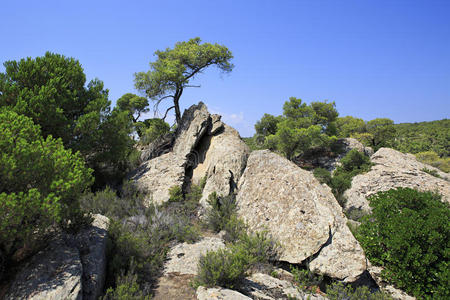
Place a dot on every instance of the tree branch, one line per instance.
(165, 115)
(196, 86)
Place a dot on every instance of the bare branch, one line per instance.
(165, 115)
(195, 86)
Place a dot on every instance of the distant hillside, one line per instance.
(424, 136)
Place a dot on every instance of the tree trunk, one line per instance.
(177, 111)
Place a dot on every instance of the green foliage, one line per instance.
(173, 69)
(151, 129)
(127, 288)
(175, 194)
(431, 172)
(133, 104)
(224, 267)
(234, 228)
(408, 233)
(40, 183)
(431, 158)
(323, 175)
(423, 137)
(347, 126)
(220, 211)
(51, 91)
(383, 132)
(301, 128)
(352, 164)
(338, 291)
(259, 245)
(305, 279)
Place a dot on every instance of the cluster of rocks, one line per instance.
(272, 194)
(70, 267)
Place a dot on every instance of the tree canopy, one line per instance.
(134, 104)
(174, 68)
(40, 182)
(52, 91)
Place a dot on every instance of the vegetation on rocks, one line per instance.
(408, 234)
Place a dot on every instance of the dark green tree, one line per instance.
(174, 68)
(383, 132)
(134, 104)
(40, 183)
(52, 91)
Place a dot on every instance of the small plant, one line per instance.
(224, 267)
(260, 246)
(431, 172)
(323, 175)
(175, 194)
(338, 291)
(127, 288)
(220, 211)
(305, 279)
(235, 228)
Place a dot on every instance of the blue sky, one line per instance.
(373, 58)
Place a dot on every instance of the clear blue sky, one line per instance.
(373, 58)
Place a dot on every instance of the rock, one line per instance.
(156, 176)
(375, 273)
(263, 286)
(194, 124)
(303, 215)
(158, 147)
(394, 169)
(91, 243)
(184, 258)
(216, 124)
(53, 273)
(223, 163)
(219, 294)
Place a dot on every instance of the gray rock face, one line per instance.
(156, 176)
(52, 274)
(223, 163)
(92, 246)
(219, 294)
(303, 215)
(70, 267)
(184, 258)
(395, 293)
(394, 169)
(203, 146)
(263, 286)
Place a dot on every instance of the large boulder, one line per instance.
(223, 162)
(156, 176)
(394, 169)
(219, 294)
(302, 214)
(53, 273)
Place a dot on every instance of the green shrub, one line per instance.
(234, 229)
(431, 158)
(431, 172)
(108, 203)
(323, 175)
(259, 245)
(408, 234)
(338, 291)
(175, 194)
(305, 279)
(220, 211)
(127, 288)
(339, 184)
(224, 267)
(40, 184)
(355, 161)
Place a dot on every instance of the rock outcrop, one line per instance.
(53, 273)
(70, 267)
(203, 147)
(156, 176)
(223, 162)
(303, 215)
(394, 169)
